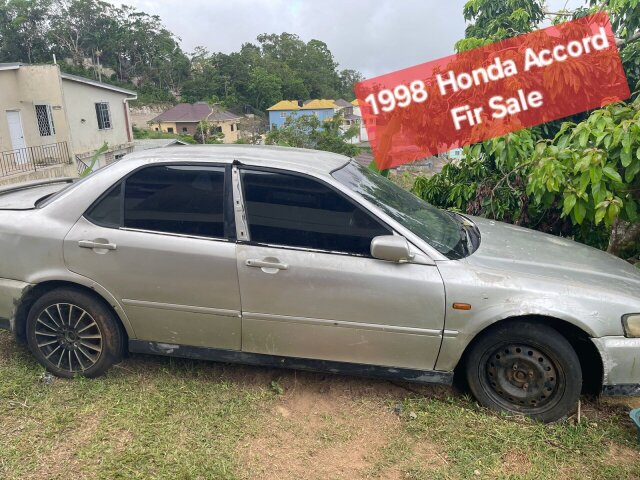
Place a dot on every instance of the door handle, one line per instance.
(92, 244)
(266, 264)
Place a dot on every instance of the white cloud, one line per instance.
(372, 36)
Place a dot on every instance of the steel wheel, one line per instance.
(518, 374)
(524, 367)
(68, 337)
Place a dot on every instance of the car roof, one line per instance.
(298, 159)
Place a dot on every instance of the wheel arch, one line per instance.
(590, 360)
(39, 289)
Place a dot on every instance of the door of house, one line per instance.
(17, 136)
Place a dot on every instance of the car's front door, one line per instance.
(159, 241)
(310, 288)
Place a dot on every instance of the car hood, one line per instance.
(516, 249)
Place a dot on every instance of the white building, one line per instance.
(51, 122)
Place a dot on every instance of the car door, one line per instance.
(160, 242)
(310, 288)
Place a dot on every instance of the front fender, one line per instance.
(496, 296)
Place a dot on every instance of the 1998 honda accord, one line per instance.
(304, 259)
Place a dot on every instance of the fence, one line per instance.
(31, 159)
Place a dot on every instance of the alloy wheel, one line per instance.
(68, 337)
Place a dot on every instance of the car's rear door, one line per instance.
(161, 243)
(310, 288)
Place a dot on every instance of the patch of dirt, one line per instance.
(628, 402)
(331, 427)
(61, 461)
(621, 455)
(516, 462)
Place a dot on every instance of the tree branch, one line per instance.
(621, 42)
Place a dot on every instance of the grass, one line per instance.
(162, 418)
(170, 418)
(145, 133)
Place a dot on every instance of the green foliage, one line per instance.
(489, 180)
(494, 20)
(278, 67)
(207, 134)
(307, 131)
(94, 159)
(578, 178)
(592, 167)
(141, 134)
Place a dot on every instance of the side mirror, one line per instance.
(392, 248)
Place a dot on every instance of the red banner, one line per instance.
(493, 90)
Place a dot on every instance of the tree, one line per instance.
(577, 178)
(207, 133)
(307, 131)
(348, 79)
(146, 56)
(264, 88)
(23, 30)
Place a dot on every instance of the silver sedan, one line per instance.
(303, 259)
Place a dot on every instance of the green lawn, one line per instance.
(170, 418)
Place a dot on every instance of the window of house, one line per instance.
(45, 120)
(295, 211)
(184, 129)
(232, 126)
(170, 130)
(283, 114)
(218, 129)
(176, 199)
(104, 115)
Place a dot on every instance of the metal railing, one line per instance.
(82, 167)
(30, 159)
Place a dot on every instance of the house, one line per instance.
(150, 143)
(357, 111)
(349, 119)
(50, 121)
(456, 155)
(279, 112)
(184, 118)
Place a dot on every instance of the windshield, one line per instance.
(438, 228)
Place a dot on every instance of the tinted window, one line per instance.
(296, 211)
(176, 199)
(107, 211)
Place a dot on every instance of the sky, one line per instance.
(372, 36)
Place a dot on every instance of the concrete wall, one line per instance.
(57, 171)
(142, 115)
(80, 100)
(23, 88)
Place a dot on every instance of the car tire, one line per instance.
(72, 333)
(525, 368)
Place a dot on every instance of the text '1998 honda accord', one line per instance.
(303, 259)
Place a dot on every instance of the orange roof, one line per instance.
(355, 102)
